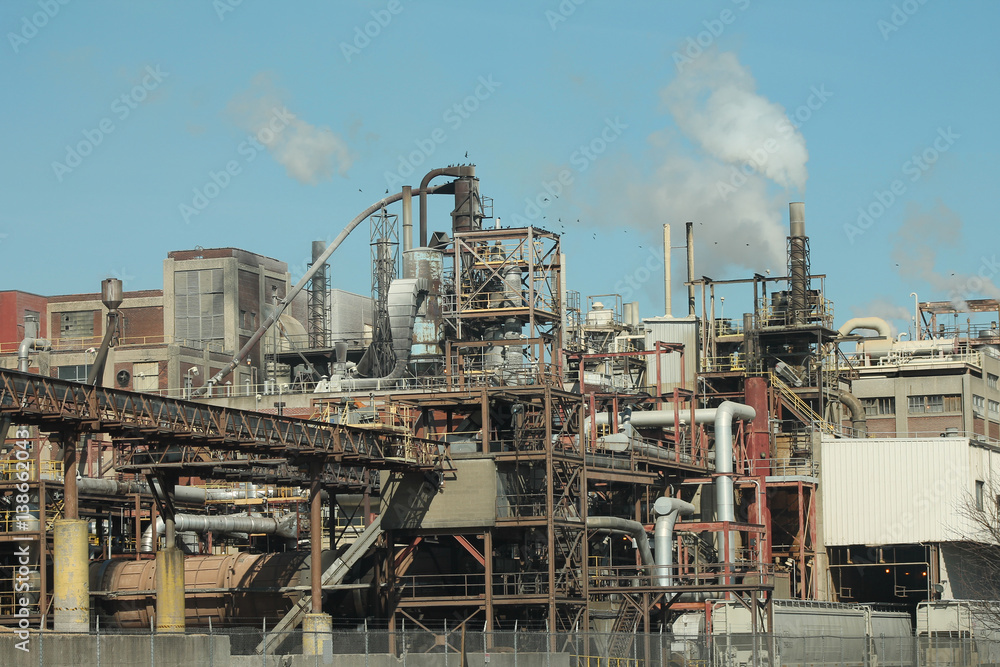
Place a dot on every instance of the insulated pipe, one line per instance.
(183, 494)
(876, 324)
(858, 420)
(294, 292)
(284, 527)
(457, 172)
(632, 528)
(38, 344)
(724, 503)
(668, 510)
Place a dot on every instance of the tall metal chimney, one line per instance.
(318, 337)
(689, 232)
(798, 262)
(667, 301)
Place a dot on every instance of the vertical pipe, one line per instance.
(689, 234)
(407, 219)
(667, 301)
(71, 585)
(316, 541)
(70, 507)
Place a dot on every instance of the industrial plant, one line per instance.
(474, 456)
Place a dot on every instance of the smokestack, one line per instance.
(798, 262)
(689, 232)
(317, 299)
(667, 302)
(407, 218)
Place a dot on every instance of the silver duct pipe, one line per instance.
(724, 503)
(403, 298)
(668, 510)
(191, 495)
(28, 344)
(294, 292)
(876, 324)
(859, 421)
(285, 527)
(407, 220)
(634, 529)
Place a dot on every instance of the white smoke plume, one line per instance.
(308, 153)
(715, 103)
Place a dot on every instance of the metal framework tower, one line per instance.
(385, 258)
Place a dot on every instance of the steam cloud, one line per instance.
(308, 153)
(699, 172)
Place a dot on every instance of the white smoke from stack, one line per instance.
(739, 214)
(715, 103)
(308, 153)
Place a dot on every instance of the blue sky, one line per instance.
(835, 99)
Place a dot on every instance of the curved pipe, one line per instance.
(299, 286)
(28, 344)
(632, 528)
(724, 504)
(859, 422)
(663, 535)
(876, 324)
(457, 172)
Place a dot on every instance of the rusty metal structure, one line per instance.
(503, 461)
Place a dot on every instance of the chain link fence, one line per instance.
(250, 646)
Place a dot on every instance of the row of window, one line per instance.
(930, 403)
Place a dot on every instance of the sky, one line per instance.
(136, 128)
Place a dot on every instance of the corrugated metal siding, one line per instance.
(668, 330)
(894, 491)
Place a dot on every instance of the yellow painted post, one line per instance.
(317, 631)
(71, 585)
(170, 590)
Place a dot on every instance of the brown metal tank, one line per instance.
(206, 580)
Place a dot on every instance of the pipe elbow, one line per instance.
(876, 324)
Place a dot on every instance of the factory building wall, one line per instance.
(900, 491)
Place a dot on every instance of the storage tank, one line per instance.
(426, 264)
(257, 576)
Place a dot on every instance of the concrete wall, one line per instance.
(66, 650)
(411, 660)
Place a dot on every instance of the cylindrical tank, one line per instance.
(599, 316)
(208, 573)
(428, 327)
(513, 293)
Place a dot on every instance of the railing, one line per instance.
(88, 342)
(50, 469)
(801, 406)
(791, 467)
(697, 575)
(901, 358)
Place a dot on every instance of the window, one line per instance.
(991, 380)
(935, 403)
(78, 324)
(979, 494)
(146, 376)
(978, 404)
(994, 408)
(74, 373)
(885, 405)
(199, 305)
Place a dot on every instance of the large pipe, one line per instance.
(668, 510)
(634, 529)
(798, 261)
(182, 494)
(407, 220)
(724, 503)
(111, 296)
(317, 302)
(457, 172)
(225, 524)
(858, 420)
(71, 588)
(294, 292)
(28, 344)
(876, 324)
(689, 235)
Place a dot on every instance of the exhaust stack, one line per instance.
(798, 263)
